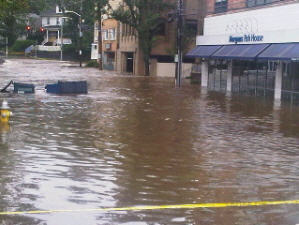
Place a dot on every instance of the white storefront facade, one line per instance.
(260, 44)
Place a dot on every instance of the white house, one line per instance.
(52, 21)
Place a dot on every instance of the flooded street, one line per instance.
(135, 141)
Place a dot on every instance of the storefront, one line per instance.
(255, 51)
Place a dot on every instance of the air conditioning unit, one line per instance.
(108, 46)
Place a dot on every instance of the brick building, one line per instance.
(251, 46)
(110, 39)
(162, 56)
(125, 47)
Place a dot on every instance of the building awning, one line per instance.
(243, 51)
(203, 51)
(282, 51)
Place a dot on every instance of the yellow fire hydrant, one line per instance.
(5, 112)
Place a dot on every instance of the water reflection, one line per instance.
(138, 141)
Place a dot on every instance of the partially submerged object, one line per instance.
(62, 87)
(22, 88)
(3, 90)
(67, 87)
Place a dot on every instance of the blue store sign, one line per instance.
(246, 38)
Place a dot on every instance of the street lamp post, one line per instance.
(99, 30)
(80, 33)
(6, 47)
(179, 43)
(61, 40)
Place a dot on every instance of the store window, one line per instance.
(253, 3)
(221, 6)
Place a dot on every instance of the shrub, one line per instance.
(71, 49)
(21, 45)
(92, 63)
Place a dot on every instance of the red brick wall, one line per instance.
(236, 4)
(210, 6)
(110, 24)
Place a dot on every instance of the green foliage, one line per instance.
(37, 6)
(12, 16)
(90, 10)
(92, 63)
(189, 31)
(21, 45)
(145, 17)
(69, 48)
(72, 51)
(36, 36)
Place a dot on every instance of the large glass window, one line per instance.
(105, 35)
(112, 34)
(220, 6)
(191, 27)
(253, 3)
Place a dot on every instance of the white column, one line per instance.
(204, 74)
(278, 81)
(229, 81)
(47, 35)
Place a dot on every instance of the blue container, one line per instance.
(68, 87)
(52, 88)
(22, 88)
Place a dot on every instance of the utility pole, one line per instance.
(35, 49)
(179, 43)
(100, 45)
(6, 47)
(80, 41)
(80, 34)
(61, 40)
(98, 16)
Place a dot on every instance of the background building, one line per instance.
(251, 46)
(110, 43)
(52, 22)
(125, 47)
(162, 57)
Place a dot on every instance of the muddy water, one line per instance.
(138, 141)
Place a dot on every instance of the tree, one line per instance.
(37, 6)
(145, 17)
(90, 10)
(11, 16)
(12, 12)
(102, 7)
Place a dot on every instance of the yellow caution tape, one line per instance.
(141, 208)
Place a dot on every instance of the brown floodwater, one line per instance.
(135, 141)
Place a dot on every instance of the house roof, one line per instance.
(50, 12)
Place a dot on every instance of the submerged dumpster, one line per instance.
(68, 87)
(22, 88)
